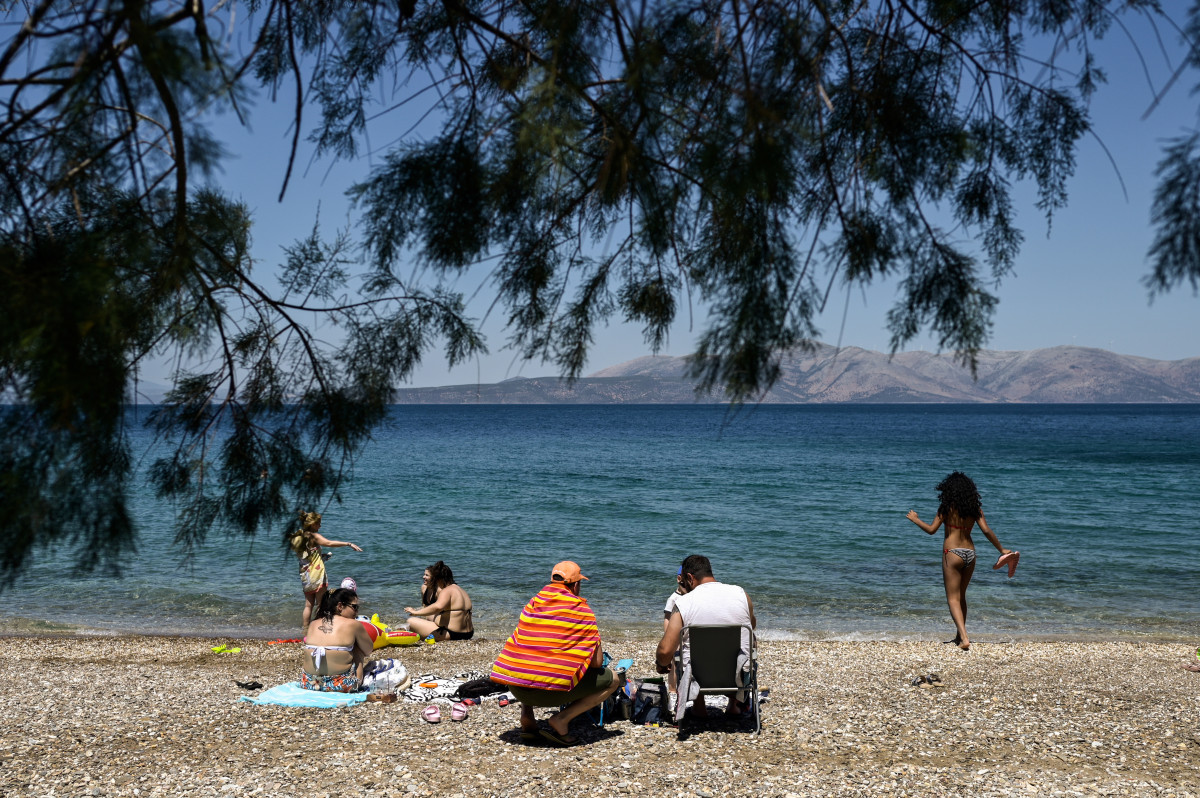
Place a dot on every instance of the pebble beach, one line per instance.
(160, 716)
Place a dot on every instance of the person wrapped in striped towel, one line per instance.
(554, 658)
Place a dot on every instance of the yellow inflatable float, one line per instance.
(383, 637)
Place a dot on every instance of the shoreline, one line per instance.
(158, 715)
(33, 628)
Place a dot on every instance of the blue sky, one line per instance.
(1077, 283)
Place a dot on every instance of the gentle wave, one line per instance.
(803, 506)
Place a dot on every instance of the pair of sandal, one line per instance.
(931, 680)
(458, 713)
(1010, 560)
(548, 734)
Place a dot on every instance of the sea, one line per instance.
(803, 506)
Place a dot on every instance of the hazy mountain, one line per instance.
(148, 393)
(1062, 374)
(141, 393)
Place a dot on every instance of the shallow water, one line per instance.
(803, 506)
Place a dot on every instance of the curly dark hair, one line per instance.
(958, 495)
(440, 575)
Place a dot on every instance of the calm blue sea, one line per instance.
(803, 506)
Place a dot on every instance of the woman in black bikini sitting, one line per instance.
(959, 508)
(447, 611)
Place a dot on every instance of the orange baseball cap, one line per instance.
(567, 571)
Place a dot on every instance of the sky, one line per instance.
(1077, 281)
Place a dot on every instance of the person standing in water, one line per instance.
(306, 544)
(960, 510)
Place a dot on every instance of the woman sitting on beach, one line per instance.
(447, 611)
(306, 544)
(959, 508)
(336, 646)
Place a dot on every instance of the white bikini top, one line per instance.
(318, 652)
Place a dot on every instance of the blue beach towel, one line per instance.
(293, 695)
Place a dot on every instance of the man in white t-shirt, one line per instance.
(705, 601)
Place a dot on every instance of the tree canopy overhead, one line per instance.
(593, 157)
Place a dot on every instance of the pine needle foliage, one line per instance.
(596, 159)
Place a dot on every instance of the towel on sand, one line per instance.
(429, 687)
(293, 695)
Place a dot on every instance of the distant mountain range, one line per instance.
(1061, 374)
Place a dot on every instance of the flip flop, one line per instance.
(1010, 560)
(459, 712)
(530, 737)
(431, 714)
(382, 698)
(1190, 667)
(556, 739)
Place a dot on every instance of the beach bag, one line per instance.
(607, 712)
(385, 676)
(478, 688)
(649, 703)
(622, 703)
(618, 706)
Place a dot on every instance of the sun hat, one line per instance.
(567, 571)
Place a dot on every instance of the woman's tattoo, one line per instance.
(326, 625)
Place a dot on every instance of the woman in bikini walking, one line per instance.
(959, 509)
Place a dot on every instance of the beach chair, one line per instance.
(715, 651)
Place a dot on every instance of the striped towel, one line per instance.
(553, 643)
